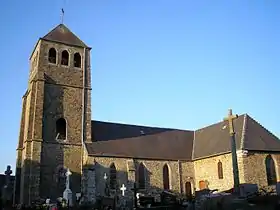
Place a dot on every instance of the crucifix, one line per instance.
(68, 174)
(229, 119)
(123, 189)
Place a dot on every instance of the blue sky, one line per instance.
(178, 64)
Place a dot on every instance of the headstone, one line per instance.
(278, 188)
(90, 195)
(247, 189)
(7, 189)
(67, 194)
(123, 189)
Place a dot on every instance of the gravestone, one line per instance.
(7, 189)
(67, 194)
(89, 186)
(247, 189)
(278, 188)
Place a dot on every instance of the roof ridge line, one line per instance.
(193, 145)
(243, 134)
(264, 127)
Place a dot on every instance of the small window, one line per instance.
(166, 185)
(141, 176)
(113, 176)
(61, 129)
(52, 55)
(77, 60)
(270, 171)
(65, 58)
(220, 170)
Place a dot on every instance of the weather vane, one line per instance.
(62, 15)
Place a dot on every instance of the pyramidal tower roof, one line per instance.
(62, 34)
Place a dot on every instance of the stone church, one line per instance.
(57, 133)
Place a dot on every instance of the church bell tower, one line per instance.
(56, 117)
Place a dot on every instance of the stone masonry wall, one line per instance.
(154, 172)
(54, 91)
(54, 157)
(255, 170)
(207, 170)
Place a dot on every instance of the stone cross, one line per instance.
(105, 176)
(8, 173)
(229, 119)
(67, 194)
(68, 174)
(123, 189)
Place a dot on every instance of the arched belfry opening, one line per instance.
(61, 129)
(52, 56)
(77, 60)
(65, 58)
(270, 170)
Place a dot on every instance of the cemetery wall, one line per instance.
(255, 169)
(154, 172)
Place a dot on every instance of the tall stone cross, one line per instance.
(67, 194)
(68, 174)
(123, 189)
(229, 119)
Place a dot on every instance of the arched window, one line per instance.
(52, 55)
(61, 129)
(220, 170)
(113, 176)
(141, 176)
(166, 185)
(77, 60)
(65, 58)
(270, 170)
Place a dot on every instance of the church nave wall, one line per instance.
(158, 174)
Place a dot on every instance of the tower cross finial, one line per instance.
(62, 15)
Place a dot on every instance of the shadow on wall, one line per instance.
(49, 183)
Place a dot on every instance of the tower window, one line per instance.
(77, 60)
(65, 58)
(61, 129)
(52, 55)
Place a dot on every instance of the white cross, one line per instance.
(123, 188)
(68, 174)
(105, 176)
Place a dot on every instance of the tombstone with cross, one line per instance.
(67, 194)
(7, 189)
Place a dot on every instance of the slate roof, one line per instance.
(121, 140)
(62, 34)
